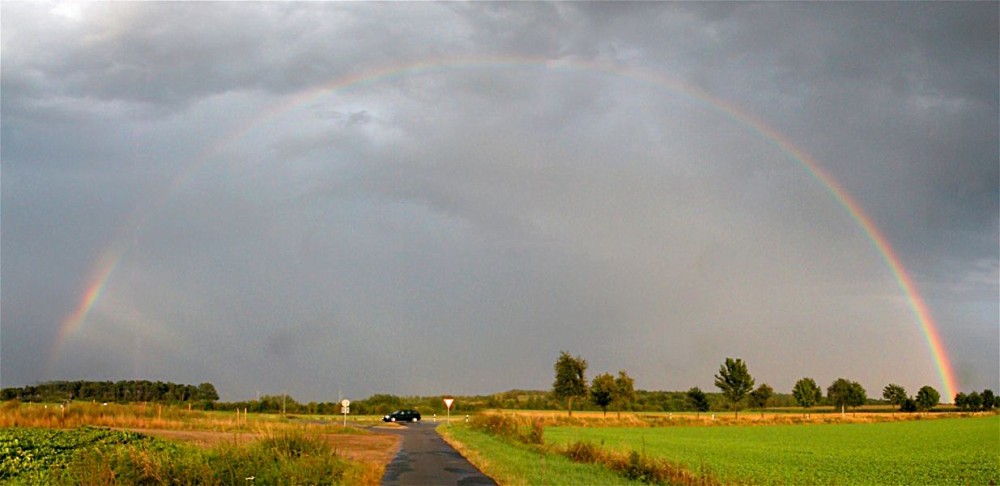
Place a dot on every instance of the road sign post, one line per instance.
(447, 404)
(345, 408)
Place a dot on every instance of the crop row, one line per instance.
(32, 450)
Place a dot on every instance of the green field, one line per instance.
(940, 451)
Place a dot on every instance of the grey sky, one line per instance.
(483, 185)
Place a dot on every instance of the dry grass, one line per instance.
(373, 451)
(636, 466)
(667, 419)
(209, 429)
(145, 416)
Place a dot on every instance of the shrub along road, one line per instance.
(425, 458)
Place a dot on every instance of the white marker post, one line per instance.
(345, 408)
(447, 404)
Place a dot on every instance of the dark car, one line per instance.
(402, 416)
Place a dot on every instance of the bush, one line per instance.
(536, 433)
(495, 424)
(641, 468)
(510, 427)
(634, 466)
(585, 452)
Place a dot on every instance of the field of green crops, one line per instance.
(29, 455)
(940, 451)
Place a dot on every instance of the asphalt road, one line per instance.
(424, 458)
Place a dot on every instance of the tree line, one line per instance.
(377, 404)
(976, 401)
(122, 391)
(736, 386)
(571, 391)
(205, 397)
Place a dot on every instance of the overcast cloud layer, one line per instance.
(541, 177)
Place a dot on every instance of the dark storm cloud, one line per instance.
(169, 54)
(465, 218)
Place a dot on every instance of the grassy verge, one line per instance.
(789, 416)
(512, 463)
(102, 456)
(942, 451)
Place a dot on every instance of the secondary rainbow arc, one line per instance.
(119, 247)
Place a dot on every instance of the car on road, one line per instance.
(402, 416)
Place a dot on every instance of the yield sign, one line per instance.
(448, 402)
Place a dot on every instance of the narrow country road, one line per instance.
(424, 458)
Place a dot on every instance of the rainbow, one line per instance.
(109, 259)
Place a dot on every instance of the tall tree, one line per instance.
(927, 397)
(735, 382)
(909, 405)
(989, 399)
(602, 391)
(207, 392)
(894, 394)
(697, 399)
(807, 393)
(974, 401)
(962, 401)
(845, 393)
(624, 392)
(760, 396)
(571, 380)
(858, 394)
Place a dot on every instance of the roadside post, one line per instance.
(447, 404)
(345, 408)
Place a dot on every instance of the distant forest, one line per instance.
(205, 397)
(646, 401)
(123, 391)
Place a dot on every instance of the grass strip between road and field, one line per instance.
(510, 463)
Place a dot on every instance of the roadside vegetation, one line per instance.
(512, 463)
(93, 443)
(102, 456)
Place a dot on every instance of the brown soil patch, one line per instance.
(378, 448)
